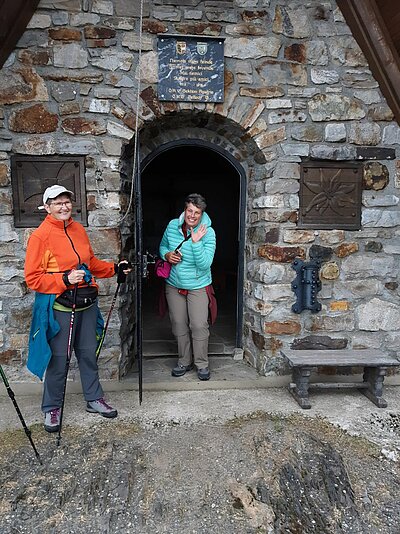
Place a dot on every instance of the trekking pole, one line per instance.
(12, 397)
(121, 277)
(68, 359)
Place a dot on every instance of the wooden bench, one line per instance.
(374, 362)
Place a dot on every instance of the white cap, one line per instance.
(53, 192)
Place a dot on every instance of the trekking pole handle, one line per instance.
(121, 277)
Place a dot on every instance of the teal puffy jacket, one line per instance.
(194, 271)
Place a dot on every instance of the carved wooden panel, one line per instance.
(330, 195)
(31, 175)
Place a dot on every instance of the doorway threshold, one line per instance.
(226, 373)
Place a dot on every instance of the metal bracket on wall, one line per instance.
(306, 285)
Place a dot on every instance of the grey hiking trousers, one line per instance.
(189, 320)
(84, 344)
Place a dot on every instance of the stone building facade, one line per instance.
(297, 87)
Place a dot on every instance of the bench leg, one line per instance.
(374, 377)
(299, 389)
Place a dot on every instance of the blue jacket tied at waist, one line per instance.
(43, 328)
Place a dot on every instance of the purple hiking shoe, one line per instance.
(52, 420)
(101, 407)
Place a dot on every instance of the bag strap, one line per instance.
(180, 244)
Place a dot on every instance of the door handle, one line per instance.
(147, 259)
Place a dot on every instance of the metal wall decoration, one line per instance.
(30, 175)
(330, 195)
(190, 68)
(306, 285)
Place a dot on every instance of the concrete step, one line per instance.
(226, 373)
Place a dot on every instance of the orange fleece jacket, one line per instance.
(50, 253)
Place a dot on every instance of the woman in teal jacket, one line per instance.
(188, 285)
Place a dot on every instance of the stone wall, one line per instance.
(296, 86)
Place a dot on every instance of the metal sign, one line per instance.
(330, 195)
(190, 68)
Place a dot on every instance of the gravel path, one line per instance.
(234, 461)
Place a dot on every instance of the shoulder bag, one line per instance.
(163, 267)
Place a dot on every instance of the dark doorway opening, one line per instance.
(168, 176)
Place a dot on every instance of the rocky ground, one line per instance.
(203, 461)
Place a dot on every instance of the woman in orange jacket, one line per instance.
(59, 258)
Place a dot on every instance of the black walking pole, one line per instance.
(12, 397)
(140, 366)
(68, 359)
(121, 277)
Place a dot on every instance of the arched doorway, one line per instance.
(168, 175)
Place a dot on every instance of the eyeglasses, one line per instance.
(67, 204)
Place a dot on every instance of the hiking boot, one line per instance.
(100, 406)
(52, 420)
(204, 374)
(180, 369)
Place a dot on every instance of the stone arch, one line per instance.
(222, 131)
(194, 124)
